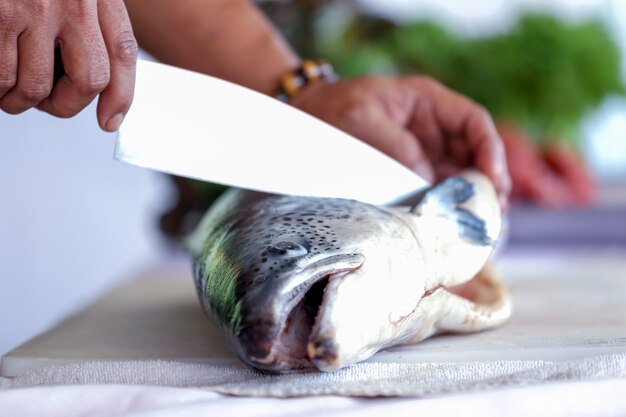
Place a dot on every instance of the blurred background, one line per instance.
(73, 222)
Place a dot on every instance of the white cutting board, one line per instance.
(567, 306)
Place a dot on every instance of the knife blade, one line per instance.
(196, 126)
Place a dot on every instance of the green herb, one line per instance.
(544, 74)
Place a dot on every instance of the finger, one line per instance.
(8, 60)
(121, 46)
(35, 64)
(397, 142)
(572, 169)
(458, 116)
(445, 169)
(458, 152)
(489, 155)
(86, 66)
(549, 191)
(424, 125)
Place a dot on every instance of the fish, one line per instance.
(304, 283)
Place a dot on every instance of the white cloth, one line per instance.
(579, 399)
(155, 334)
(364, 379)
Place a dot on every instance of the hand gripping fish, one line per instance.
(299, 282)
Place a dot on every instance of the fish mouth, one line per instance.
(285, 346)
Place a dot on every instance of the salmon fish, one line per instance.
(299, 283)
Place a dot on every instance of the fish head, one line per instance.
(324, 283)
(285, 252)
(453, 234)
(359, 313)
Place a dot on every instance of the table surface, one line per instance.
(567, 306)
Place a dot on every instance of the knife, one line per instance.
(196, 126)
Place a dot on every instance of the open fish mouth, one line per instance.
(286, 344)
(477, 304)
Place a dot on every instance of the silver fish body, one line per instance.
(299, 282)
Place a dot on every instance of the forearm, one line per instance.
(229, 39)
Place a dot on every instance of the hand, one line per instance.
(416, 121)
(98, 50)
(555, 177)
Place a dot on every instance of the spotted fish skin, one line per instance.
(300, 282)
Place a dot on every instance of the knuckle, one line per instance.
(34, 91)
(426, 82)
(355, 110)
(482, 114)
(125, 48)
(9, 17)
(40, 8)
(7, 82)
(83, 9)
(353, 114)
(93, 82)
(426, 85)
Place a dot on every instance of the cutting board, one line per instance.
(568, 305)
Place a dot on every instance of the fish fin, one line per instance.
(472, 227)
(445, 198)
(447, 194)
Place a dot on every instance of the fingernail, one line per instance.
(114, 122)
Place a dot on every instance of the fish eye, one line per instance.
(287, 249)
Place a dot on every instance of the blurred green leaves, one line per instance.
(544, 74)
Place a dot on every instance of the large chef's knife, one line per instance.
(196, 126)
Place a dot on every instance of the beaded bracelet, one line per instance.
(307, 73)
